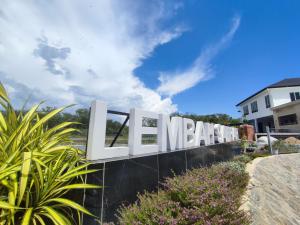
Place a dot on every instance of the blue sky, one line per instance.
(265, 49)
(195, 56)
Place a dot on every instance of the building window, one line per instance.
(254, 107)
(267, 100)
(295, 96)
(246, 110)
(288, 120)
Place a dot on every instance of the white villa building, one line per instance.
(258, 109)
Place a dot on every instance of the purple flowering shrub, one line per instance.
(205, 196)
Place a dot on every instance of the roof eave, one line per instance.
(246, 99)
(262, 91)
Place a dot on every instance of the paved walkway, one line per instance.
(273, 195)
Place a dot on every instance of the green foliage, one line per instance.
(217, 118)
(112, 127)
(201, 196)
(255, 155)
(245, 158)
(284, 148)
(38, 167)
(81, 117)
(244, 143)
(237, 166)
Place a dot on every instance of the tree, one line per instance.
(218, 118)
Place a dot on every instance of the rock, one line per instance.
(273, 193)
(264, 140)
(292, 141)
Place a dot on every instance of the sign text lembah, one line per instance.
(174, 133)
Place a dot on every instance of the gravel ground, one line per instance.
(273, 193)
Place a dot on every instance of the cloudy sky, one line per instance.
(163, 56)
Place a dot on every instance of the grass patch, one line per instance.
(255, 155)
(201, 196)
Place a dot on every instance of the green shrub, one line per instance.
(38, 167)
(237, 166)
(201, 196)
(284, 148)
(255, 155)
(245, 158)
(244, 143)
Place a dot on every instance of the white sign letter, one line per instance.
(188, 133)
(136, 130)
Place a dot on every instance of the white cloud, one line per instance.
(174, 82)
(76, 51)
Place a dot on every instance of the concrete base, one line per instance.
(123, 179)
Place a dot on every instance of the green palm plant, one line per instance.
(38, 168)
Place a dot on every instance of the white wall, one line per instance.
(278, 96)
(282, 95)
(287, 110)
(262, 110)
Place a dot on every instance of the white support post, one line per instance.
(97, 128)
(256, 125)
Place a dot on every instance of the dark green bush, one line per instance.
(245, 158)
(285, 148)
(201, 196)
(255, 155)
